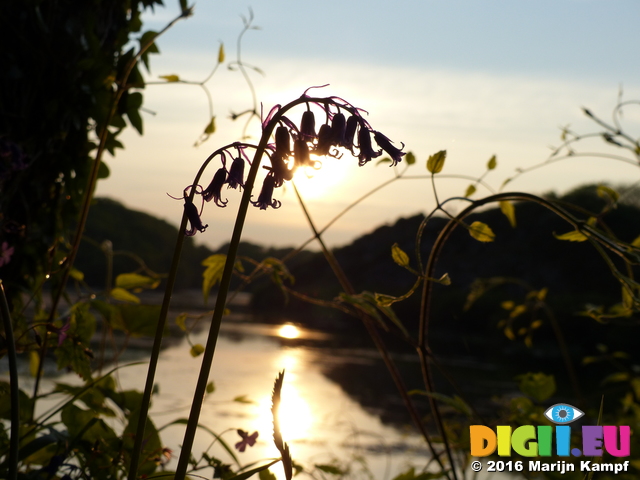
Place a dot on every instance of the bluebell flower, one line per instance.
(279, 169)
(338, 129)
(236, 173)
(384, 143)
(301, 153)
(214, 190)
(283, 141)
(194, 218)
(325, 140)
(364, 145)
(265, 198)
(308, 126)
(350, 132)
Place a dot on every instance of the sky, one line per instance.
(474, 78)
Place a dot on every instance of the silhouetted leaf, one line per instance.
(435, 162)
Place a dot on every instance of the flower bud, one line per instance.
(191, 211)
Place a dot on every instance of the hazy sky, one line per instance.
(476, 78)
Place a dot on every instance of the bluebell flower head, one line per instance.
(214, 190)
(364, 145)
(308, 126)
(384, 143)
(265, 199)
(325, 140)
(194, 218)
(350, 132)
(236, 173)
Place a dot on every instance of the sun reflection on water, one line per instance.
(289, 331)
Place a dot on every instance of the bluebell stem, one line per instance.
(265, 198)
(364, 145)
(308, 126)
(236, 173)
(384, 143)
(350, 132)
(191, 211)
(214, 190)
(325, 140)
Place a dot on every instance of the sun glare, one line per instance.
(289, 331)
(294, 415)
(322, 182)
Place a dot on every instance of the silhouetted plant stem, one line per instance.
(13, 386)
(373, 332)
(207, 358)
(430, 268)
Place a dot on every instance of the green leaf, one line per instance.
(607, 193)
(181, 321)
(385, 300)
(170, 78)
(221, 53)
(243, 399)
(538, 386)
(134, 102)
(196, 350)
(211, 387)
(250, 473)
(574, 236)
(213, 272)
(266, 475)
(481, 232)
(34, 363)
(135, 280)
(103, 171)
(211, 127)
(410, 158)
(140, 320)
(330, 469)
(509, 211)
(399, 256)
(435, 162)
(124, 295)
(491, 164)
(471, 189)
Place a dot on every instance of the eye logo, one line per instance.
(562, 413)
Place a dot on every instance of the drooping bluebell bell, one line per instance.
(325, 140)
(236, 173)
(301, 153)
(191, 211)
(214, 190)
(265, 199)
(338, 129)
(350, 132)
(364, 145)
(308, 126)
(384, 143)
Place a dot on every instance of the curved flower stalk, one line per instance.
(335, 132)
